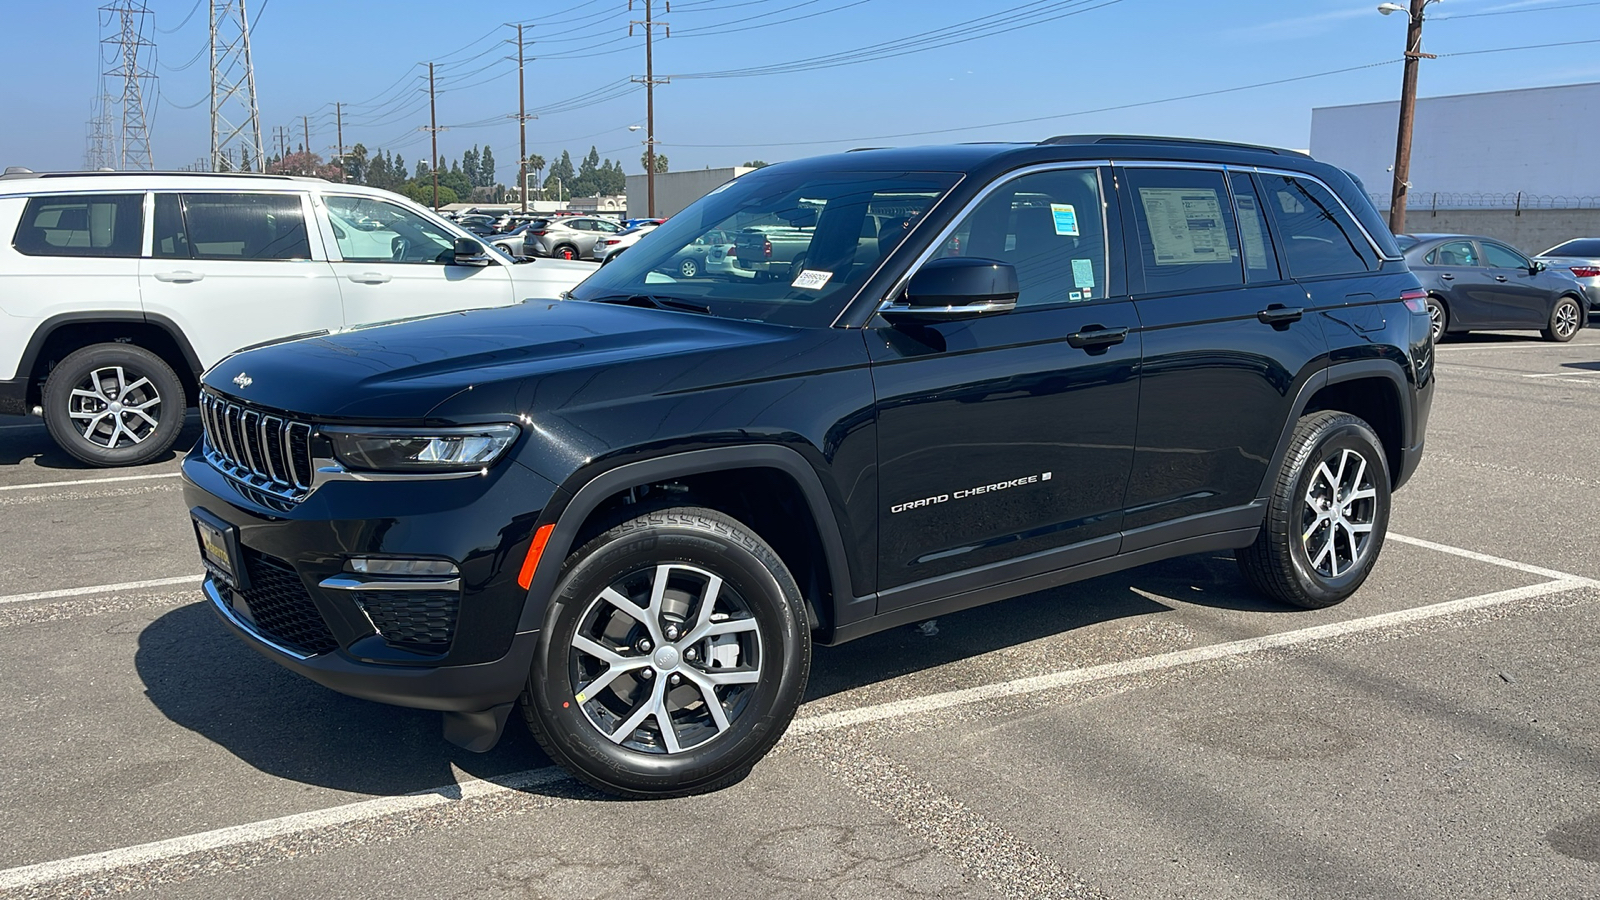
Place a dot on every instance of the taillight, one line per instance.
(538, 233)
(609, 241)
(766, 249)
(1415, 300)
(733, 252)
(1586, 271)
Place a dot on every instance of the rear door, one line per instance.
(1466, 284)
(237, 268)
(394, 263)
(1223, 356)
(997, 436)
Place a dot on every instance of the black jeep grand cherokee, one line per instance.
(993, 369)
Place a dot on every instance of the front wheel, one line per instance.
(113, 405)
(1565, 318)
(1327, 516)
(688, 269)
(675, 652)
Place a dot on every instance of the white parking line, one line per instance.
(94, 864)
(100, 589)
(55, 484)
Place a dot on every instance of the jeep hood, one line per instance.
(400, 372)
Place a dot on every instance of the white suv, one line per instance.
(118, 289)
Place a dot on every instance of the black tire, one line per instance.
(1280, 564)
(1566, 317)
(755, 589)
(688, 268)
(99, 441)
(565, 251)
(1438, 318)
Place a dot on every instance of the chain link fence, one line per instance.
(1423, 201)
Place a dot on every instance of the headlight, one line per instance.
(422, 449)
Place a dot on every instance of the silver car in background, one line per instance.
(572, 237)
(1580, 256)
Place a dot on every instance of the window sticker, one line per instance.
(1066, 218)
(1251, 227)
(1075, 296)
(1083, 273)
(1186, 226)
(811, 280)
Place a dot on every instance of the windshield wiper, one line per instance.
(654, 302)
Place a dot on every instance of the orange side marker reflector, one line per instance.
(535, 550)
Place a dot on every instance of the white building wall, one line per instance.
(1541, 141)
(676, 190)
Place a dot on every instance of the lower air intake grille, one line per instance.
(282, 607)
(424, 621)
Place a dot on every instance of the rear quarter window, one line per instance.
(100, 225)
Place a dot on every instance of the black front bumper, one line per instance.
(484, 524)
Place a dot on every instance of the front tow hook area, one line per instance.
(477, 731)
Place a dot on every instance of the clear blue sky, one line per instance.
(1107, 53)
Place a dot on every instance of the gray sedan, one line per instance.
(570, 238)
(1581, 256)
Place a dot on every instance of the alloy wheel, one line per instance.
(112, 412)
(1340, 510)
(666, 659)
(1565, 321)
(1436, 321)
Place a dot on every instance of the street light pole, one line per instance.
(1408, 102)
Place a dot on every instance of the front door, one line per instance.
(235, 269)
(997, 436)
(1522, 295)
(395, 264)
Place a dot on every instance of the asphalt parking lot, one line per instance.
(1158, 733)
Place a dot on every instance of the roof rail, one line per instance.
(20, 172)
(1140, 139)
(864, 149)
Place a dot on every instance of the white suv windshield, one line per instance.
(783, 247)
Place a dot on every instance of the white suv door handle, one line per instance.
(369, 278)
(179, 277)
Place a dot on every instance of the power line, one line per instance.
(1512, 12)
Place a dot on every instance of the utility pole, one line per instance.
(1408, 102)
(233, 87)
(130, 17)
(522, 118)
(305, 121)
(338, 124)
(650, 81)
(433, 131)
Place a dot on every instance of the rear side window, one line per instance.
(231, 226)
(1319, 238)
(104, 225)
(1260, 264)
(1187, 240)
(1455, 253)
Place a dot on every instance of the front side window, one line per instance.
(803, 243)
(1319, 237)
(1455, 253)
(1050, 226)
(1187, 240)
(371, 230)
(238, 227)
(1499, 257)
(103, 225)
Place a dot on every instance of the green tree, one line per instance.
(422, 192)
(486, 167)
(356, 164)
(661, 162)
(757, 164)
(561, 176)
(457, 181)
(469, 167)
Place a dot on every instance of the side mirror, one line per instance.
(955, 288)
(469, 252)
(1536, 267)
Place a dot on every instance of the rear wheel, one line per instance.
(1565, 317)
(1327, 516)
(675, 652)
(113, 405)
(1438, 318)
(565, 251)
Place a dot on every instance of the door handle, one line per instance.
(1097, 336)
(1281, 315)
(1499, 278)
(369, 278)
(1447, 276)
(179, 277)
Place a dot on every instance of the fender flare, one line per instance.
(1346, 371)
(30, 353)
(694, 462)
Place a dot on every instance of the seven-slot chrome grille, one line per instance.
(262, 449)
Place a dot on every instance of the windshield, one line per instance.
(1586, 247)
(789, 248)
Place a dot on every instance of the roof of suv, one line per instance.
(13, 182)
(975, 156)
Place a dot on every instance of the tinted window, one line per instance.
(169, 239)
(1455, 253)
(245, 226)
(1260, 264)
(106, 225)
(1050, 227)
(1186, 235)
(1579, 247)
(1319, 237)
(1503, 257)
(372, 230)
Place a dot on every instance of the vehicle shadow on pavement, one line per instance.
(204, 679)
(36, 445)
(1207, 579)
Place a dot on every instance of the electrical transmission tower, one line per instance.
(233, 88)
(129, 18)
(100, 152)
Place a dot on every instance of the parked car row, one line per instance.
(1478, 283)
